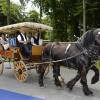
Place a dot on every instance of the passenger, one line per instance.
(29, 41)
(3, 41)
(36, 40)
(12, 40)
(22, 43)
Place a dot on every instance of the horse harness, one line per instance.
(87, 52)
(66, 50)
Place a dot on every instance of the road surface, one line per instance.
(50, 92)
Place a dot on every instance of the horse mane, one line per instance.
(87, 39)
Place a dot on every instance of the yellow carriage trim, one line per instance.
(37, 50)
(36, 53)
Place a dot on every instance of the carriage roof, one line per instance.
(31, 26)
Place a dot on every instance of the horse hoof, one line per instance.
(94, 80)
(42, 87)
(88, 93)
(41, 84)
(59, 87)
(58, 83)
(69, 86)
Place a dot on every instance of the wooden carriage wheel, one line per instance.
(20, 71)
(1, 67)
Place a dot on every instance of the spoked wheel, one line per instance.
(20, 71)
(1, 67)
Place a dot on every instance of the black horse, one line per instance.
(80, 55)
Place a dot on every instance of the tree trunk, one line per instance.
(40, 10)
(8, 12)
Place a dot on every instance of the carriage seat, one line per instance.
(37, 52)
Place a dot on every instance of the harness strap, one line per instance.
(67, 48)
(51, 49)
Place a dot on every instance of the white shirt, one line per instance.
(40, 41)
(32, 41)
(20, 39)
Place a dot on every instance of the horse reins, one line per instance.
(61, 60)
(83, 51)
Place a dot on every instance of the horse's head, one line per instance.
(96, 33)
(91, 37)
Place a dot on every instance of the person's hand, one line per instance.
(34, 44)
(28, 41)
(24, 42)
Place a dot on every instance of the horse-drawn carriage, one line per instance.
(80, 56)
(13, 54)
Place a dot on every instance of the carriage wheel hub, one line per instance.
(20, 71)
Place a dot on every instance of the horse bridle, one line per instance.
(89, 52)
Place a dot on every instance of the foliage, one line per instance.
(46, 20)
(15, 11)
(65, 16)
(33, 16)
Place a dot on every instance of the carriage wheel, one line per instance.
(20, 71)
(1, 67)
(46, 70)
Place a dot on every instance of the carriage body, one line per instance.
(13, 54)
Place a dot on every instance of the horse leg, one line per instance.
(41, 72)
(72, 82)
(56, 75)
(84, 82)
(96, 75)
(95, 78)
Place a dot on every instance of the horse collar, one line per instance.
(51, 49)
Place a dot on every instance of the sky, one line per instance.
(28, 7)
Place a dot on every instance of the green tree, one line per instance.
(2, 16)
(33, 16)
(8, 11)
(39, 3)
(60, 12)
(15, 12)
(46, 20)
(8, 8)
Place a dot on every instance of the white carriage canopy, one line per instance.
(31, 26)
